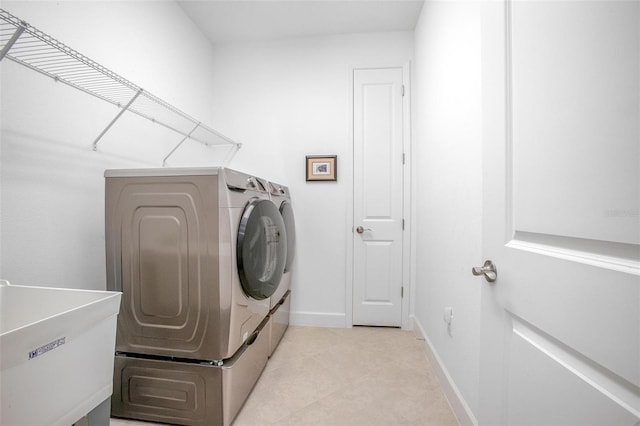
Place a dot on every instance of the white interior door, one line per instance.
(378, 196)
(561, 324)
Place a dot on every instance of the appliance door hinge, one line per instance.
(403, 224)
(403, 90)
(403, 158)
(401, 292)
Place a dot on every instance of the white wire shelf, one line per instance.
(28, 46)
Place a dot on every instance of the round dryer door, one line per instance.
(290, 225)
(261, 249)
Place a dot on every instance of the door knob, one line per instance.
(488, 270)
(360, 229)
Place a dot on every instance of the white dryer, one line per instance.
(197, 254)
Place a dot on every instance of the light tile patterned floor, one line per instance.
(334, 377)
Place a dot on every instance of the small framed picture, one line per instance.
(321, 168)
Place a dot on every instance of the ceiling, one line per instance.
(224, 21)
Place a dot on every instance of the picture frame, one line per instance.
(321, 168)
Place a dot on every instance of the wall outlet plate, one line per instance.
(448, 314)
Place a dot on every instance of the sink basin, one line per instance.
(56, 353)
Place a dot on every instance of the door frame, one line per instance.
(407, 193)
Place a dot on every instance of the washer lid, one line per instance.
(261, 249)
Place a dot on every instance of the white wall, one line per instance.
(52, 185)
(287, 99)
(283, 100)
(447, 160)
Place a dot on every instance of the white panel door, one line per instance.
(377, 230)
(560, 341)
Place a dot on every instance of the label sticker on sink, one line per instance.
(46, 348)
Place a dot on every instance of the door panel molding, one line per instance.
(596, 376)
(603, 254)
(540, 144)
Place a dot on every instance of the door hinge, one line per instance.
(403, 90)
(401, 292)
(403, 224)
(403, 158)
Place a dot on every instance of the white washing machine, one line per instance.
(197, 253)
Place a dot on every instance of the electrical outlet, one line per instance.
(448, 314)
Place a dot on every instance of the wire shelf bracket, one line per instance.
(126, 107)
(19, 30)
(164, 160)
(34, 49)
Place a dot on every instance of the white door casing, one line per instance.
(378, 196)
(560, 341)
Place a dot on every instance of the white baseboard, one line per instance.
(458, 404)
(318, 319)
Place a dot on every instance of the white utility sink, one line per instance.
(56, 353)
